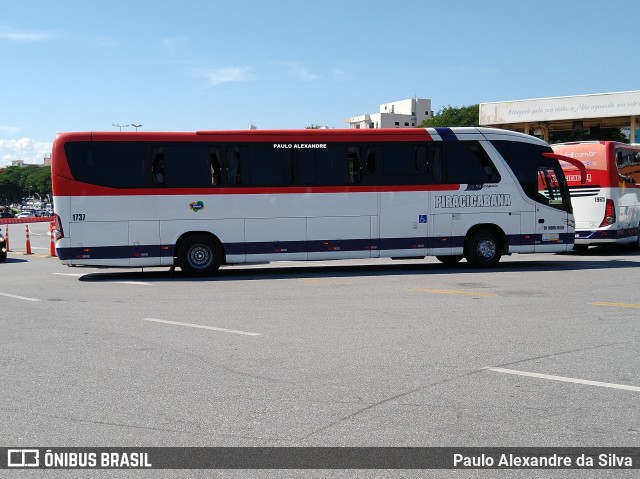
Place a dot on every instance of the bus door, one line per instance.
(441, 227)
(552, 207)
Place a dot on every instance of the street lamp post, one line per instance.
(135, 126)
(117, 125)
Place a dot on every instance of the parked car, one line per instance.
(7, 214)
(26, 214)
(3, 249)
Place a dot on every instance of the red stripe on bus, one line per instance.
(81, 189)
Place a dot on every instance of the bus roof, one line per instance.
(344, 134)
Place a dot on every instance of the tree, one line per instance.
(454, 116)
(600, 134)
(17, 182)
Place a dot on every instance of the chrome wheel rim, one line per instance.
(486, 249)
(200, 257)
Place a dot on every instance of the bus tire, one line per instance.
(449, 260)
(199, 255)
(483, 249)
(3, 256)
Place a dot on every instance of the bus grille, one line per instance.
(577, 191)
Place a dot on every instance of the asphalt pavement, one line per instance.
(541, 351)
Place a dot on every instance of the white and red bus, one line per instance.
(606, 203)
(200, 200)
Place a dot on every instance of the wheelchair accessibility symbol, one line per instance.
(422, 218)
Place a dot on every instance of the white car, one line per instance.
(26, 214)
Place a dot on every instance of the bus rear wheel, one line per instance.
(199, 255)
(483, 249)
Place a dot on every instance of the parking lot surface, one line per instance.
(540, 351)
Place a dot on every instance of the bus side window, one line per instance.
(423, 165)
(233, 166)
(305, 167)
(436, 159)
(353, 160)
(158, 167)
(371, 159)
(627, 161)
(216, 170)
(468, 163)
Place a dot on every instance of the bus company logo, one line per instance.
(472, 201)
(196, 206)
(23, 458)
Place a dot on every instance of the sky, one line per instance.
(188, 65)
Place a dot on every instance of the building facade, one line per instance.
(543, 115)
(397, 114)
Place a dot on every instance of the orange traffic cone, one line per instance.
(52, 242)
(28, 242)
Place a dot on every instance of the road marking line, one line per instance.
(77, 275)
(451, 291)
(566, 379)
(616, 305)
(200, 326)
(18, 297)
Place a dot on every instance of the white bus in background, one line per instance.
(200, 200)
(607, 204)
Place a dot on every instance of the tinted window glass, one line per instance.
(523, 159)
(541, 178)
(628, 162)
(332, 167)
(305, 166)
(407, 163)
(467, 162)
(116, 165)
(233, 168)
(187, 165)
(267, 166)
(552, 189)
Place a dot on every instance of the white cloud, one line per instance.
(25, 149)
(218, 76)
(24, 36)
(299, 72)
(11, 130)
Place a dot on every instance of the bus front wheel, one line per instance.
(483, 249)
(199, 255)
